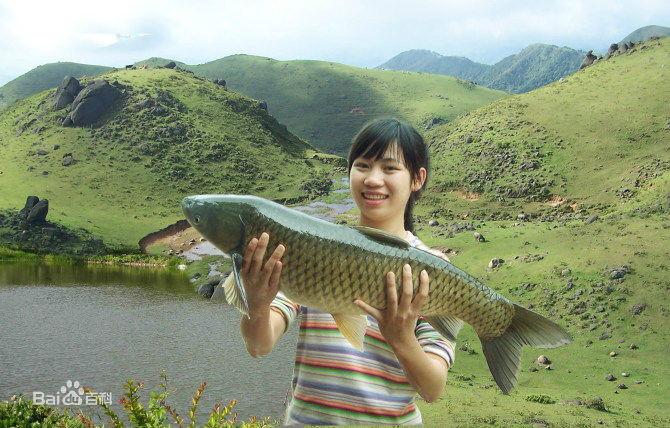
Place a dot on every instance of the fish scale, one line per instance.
(328, 266)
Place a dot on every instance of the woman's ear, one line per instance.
(418, 183)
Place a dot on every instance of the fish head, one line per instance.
(219, 218)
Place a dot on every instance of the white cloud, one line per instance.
(363, 33)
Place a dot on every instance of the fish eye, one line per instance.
(196, 219)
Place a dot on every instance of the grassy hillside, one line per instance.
(325, 103)
(133, 167)
(43, 77)
(535, 66)
(570, 186)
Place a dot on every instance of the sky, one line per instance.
(355, 32)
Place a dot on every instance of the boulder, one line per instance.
(66, 92)
(68, 159)
(170, 64)
(38, 213)
(263, 105)
(494, 263)
(588, 60)
(614, 48)
(31, 201)
(92, 102)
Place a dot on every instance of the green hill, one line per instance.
(325, 103)
(534, 66)
(570, 186)
(644, 33)
(133, 166)
(43, 77)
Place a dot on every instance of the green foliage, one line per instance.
(540, 398)
(155, 413)
(319, 185)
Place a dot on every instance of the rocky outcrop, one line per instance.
(91, 103)
(66, 92)
(34, 211)
(588, 60)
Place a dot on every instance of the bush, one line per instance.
(541, 398)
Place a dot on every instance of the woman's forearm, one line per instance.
(260, 331)
(427, 374)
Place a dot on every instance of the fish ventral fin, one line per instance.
(233, 286)
(381, 236)
(352, 328)
(447, 326)
(503, 353)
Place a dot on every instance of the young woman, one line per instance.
(333, 383)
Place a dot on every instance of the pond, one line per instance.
(101, 325)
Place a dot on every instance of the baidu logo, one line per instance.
(72, 394)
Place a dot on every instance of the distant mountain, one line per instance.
(432, 62)
(534, 66)
(644, 33)
(44, 77)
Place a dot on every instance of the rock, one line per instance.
(433, 223)
(263, 105)
(31, 201)
(42, 152)
(67, 159)
(92, 102)
(617, 273)
(622, 386)
(38, 213)
(66, 92)
(207, 289)
(56, 146)
(494, 263)
(522, 217)
(610, 377)
(158, 111)
(479, 237)
(625, 374)
(220, 82)
(638, 382)
(588, 60)
(468, 139)
(142, 104)
(549, 368)
(591, 219)
(67, 121)
(613, 354)
(638, 308)
(565, 272)
(170, 64)
(633, 346)
(614, 48)
(542, 359)
(605, 335)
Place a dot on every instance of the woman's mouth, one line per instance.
(374, 198)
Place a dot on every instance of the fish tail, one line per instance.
(503, 353)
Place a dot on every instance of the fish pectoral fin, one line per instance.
(352, 328)
(381, 236)
(234, 286)
(447, 326)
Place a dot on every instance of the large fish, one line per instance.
(327, 266)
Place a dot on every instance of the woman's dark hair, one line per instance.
(377, 136)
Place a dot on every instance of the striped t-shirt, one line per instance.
(335, 384)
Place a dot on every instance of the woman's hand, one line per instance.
(397, 321)
(261, 280)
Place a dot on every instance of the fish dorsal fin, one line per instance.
(352, 328)
(381, 236)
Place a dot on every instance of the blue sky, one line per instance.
(361, 33)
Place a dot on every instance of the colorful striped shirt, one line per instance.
(335, 384)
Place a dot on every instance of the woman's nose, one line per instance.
(374, 178)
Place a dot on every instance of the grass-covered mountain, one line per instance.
(644, 33)
(326, 103)
(43, 77)
(171, 134)
(534, 66)
(570, 185)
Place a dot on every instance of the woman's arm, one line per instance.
(264, 326)
(397, 322)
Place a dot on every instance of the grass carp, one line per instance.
(327, 266)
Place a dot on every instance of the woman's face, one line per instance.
(382, 187)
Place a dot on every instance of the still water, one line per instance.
(101, 325)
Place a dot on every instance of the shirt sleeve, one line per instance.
(433, 342)
(286, 308)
